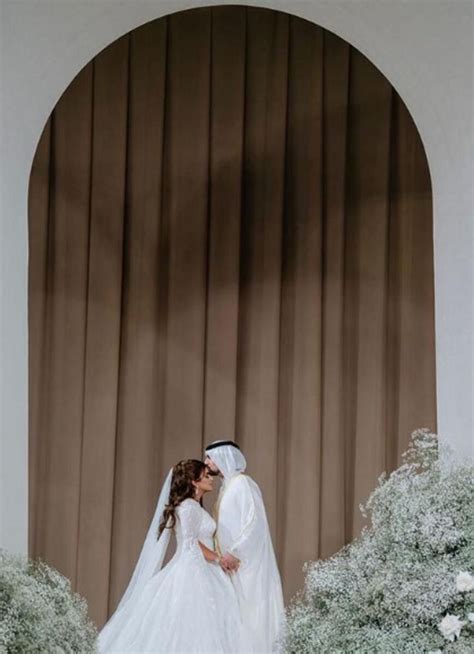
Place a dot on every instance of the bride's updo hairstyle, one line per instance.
(184, 473)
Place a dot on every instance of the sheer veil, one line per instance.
(149, 562)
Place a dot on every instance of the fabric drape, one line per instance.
(230, 230)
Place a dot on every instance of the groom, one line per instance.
(243, 539)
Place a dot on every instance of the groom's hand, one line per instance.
(229, 563)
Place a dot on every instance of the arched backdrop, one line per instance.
(230, 234)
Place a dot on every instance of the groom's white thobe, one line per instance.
(242, 530)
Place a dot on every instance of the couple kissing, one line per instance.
(221, 591)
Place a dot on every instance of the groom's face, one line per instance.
(212, 466)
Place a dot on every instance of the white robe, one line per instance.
(242, 530)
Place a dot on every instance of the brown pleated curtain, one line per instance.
(230, 233)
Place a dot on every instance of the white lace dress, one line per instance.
(188, 607)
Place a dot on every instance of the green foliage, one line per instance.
(38, 611)
(389, 590)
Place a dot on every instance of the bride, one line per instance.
(190, 605)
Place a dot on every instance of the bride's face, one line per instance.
(205, 483)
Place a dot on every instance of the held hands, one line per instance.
(229, 563)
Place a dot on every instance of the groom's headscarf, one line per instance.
(227, 457)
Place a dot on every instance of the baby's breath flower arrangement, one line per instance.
(406, 584)
(38, 611)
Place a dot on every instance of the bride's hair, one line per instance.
(184, 473)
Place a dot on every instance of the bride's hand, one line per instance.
(225, 567)
(229, 563)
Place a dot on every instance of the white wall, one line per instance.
(424, 47)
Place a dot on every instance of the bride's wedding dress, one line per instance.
(189, 606)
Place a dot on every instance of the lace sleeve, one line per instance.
(190, 516)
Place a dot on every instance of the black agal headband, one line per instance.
(212, 446)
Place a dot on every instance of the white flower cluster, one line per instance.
(465, 581)
(406, 584)
(38, 611)
(451, 625)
